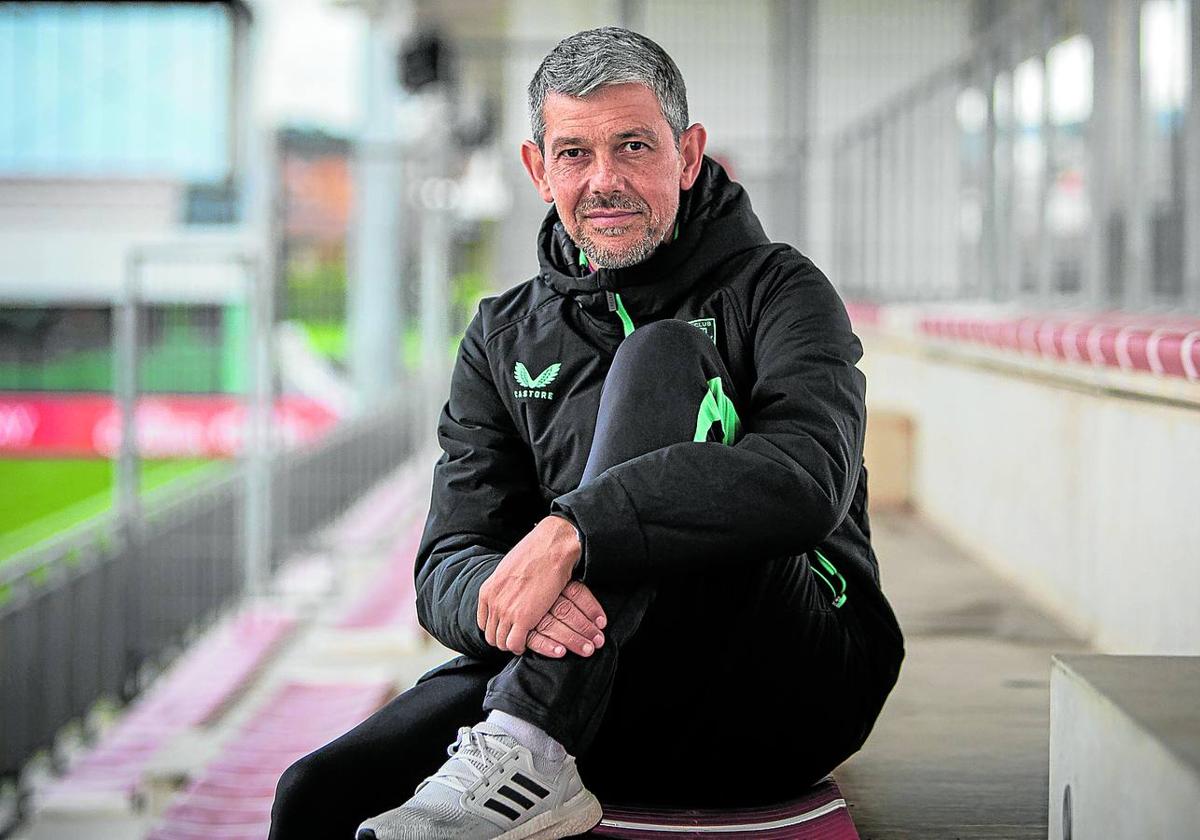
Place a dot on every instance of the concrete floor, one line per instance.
(962, 747)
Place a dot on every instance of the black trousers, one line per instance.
(736, 687)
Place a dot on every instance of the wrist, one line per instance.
(571, 539)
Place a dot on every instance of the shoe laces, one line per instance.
(473, 759)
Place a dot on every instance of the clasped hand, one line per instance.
(530, 601)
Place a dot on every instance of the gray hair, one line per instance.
(610, 55)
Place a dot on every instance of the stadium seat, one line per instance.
(391, 601)
(231, 798)
(819, 813)
(194, 693)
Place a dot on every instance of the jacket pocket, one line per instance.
(833, 583)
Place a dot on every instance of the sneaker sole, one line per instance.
(577, 815)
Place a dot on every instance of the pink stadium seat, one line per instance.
(193, 693)
(231, 799)
(391, 601)
(372, 517)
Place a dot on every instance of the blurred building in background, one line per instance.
(123, 126)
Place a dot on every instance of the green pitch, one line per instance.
(39, 498)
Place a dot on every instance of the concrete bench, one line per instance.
(1124, 747)
(231, 798)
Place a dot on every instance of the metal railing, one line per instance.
(1041, 167)
(87, 616)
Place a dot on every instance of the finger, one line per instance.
(583, 598)
(565, 611)
(481, 612)
(543, 644)
(503, 628)
(493, 622)
(563, 634)
(515, 640)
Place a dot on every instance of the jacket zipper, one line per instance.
(615, 305)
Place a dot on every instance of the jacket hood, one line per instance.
(716, 223)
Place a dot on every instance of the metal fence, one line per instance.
(246, 312)
(88, 616)
(99, 609)
(1053, 165)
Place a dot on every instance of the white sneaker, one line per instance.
(490, 790)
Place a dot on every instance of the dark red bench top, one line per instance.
(818, 813)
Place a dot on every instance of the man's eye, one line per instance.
(635, 145)
(571, 153)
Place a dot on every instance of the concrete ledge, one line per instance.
(1124, 747)
(104, 816)
(1059, 488)
(888, 454)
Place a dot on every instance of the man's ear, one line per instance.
(535, 165)
(691, 149)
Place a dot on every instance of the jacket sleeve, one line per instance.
(781, 488)
(485, 498)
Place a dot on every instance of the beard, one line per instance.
(651, 227)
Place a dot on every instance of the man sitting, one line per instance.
(648, 535)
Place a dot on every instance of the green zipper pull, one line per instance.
(615, 305)
(839, 591)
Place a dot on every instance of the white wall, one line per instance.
(1087, 499)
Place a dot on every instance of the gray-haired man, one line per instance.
(648, 534)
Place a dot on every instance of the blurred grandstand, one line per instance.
(224, 340)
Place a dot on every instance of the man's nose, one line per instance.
(606, 176)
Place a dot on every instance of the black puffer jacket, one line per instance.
(525, 391)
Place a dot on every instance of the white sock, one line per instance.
(548, 754)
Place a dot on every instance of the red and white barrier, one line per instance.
(174, 426)
(1166, 346)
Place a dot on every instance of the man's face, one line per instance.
(611, 168)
